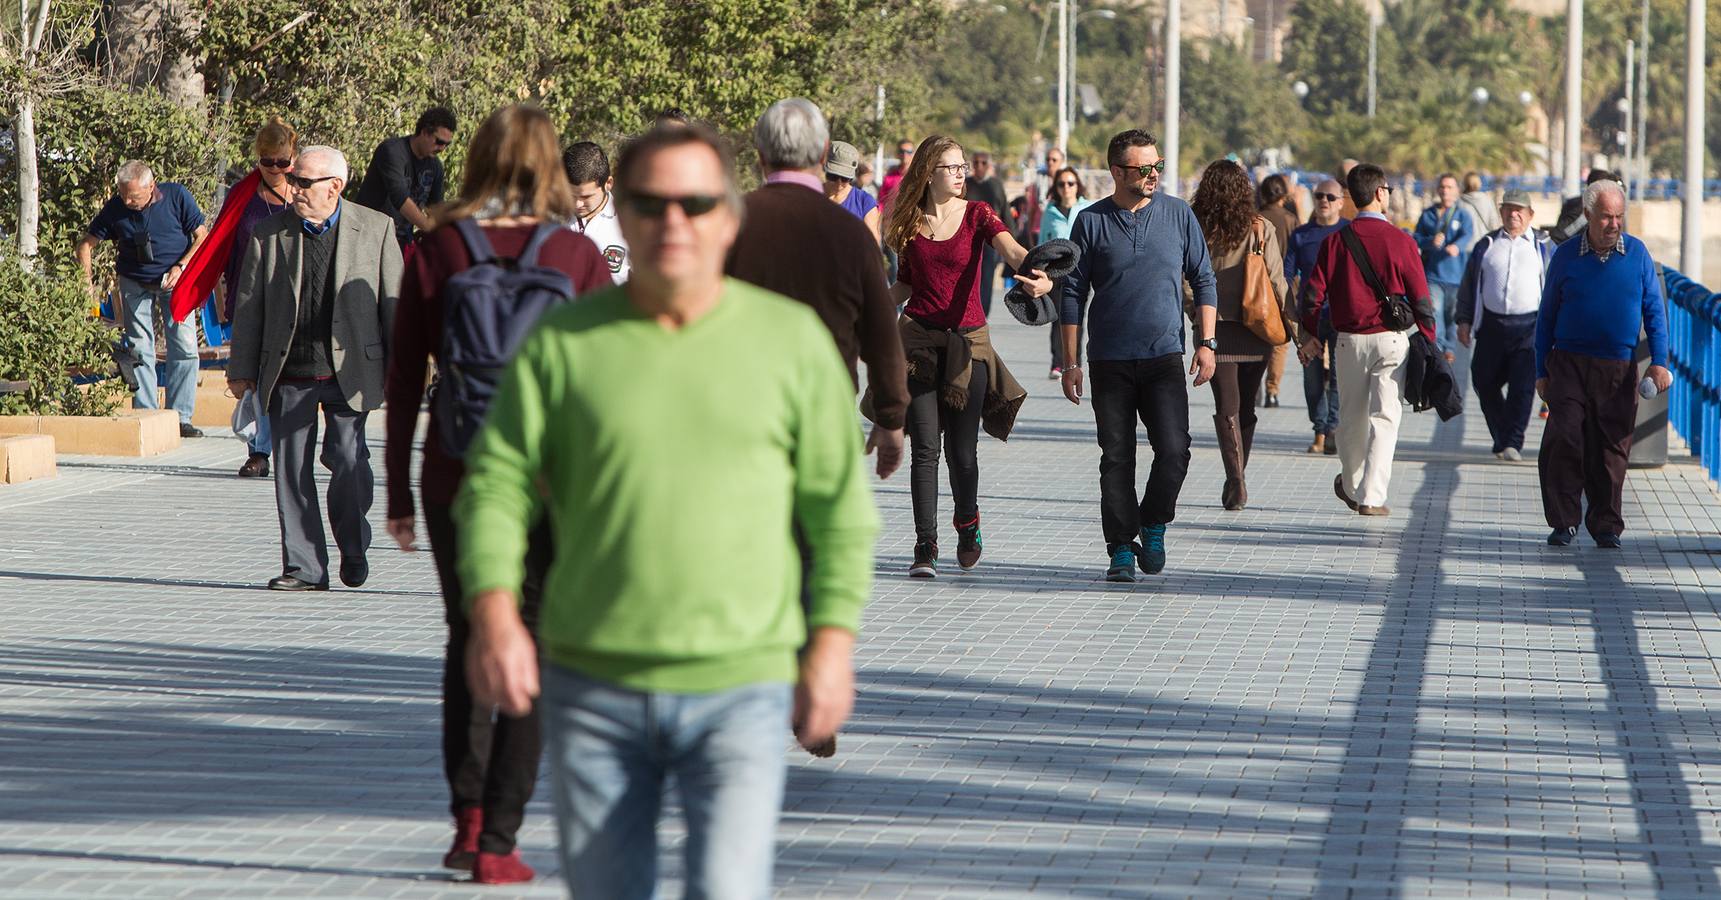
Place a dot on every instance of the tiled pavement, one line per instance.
(1308, 703)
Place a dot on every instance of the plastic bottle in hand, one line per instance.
(1647, 389)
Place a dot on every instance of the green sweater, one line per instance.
(675, 465)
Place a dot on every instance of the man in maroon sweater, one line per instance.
(1370, 359)
(796, 242)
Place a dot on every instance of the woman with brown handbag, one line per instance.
(1249, 267)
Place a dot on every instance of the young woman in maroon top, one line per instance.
(940, 239)
(514, 181)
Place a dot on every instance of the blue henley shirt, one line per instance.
(1135, 263)
(1596, 308)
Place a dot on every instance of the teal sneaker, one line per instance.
(1122, 566)
(1152, 549)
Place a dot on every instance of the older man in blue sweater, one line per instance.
(1601, 291)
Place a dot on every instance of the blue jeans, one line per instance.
(1444, 298)
(141, 302)
(1321, 386)
(612, 749)
(263, 439)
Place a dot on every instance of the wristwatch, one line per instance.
(1210, 343)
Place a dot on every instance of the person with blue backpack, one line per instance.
(497, 259)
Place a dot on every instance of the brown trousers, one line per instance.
(1592, 409)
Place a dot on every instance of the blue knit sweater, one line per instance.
(1596, 308)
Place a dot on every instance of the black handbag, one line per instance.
(1396, 313)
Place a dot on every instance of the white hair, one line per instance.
(134, 171)
(325, 158)
(1594, 192)
(792, 134)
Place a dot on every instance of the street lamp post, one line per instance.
(1373, 35)
(1691, 239)
(1075, 33)
(1173, 87)
(1574, 93)
(1064, 78)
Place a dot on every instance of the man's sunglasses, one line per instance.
(1330, 198)
(654, 207)
(303, 183)
(1157, 168)
(270, 162)
(440, 143)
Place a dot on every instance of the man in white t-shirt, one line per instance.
(594, 208)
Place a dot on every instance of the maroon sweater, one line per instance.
(796, 242)
(418, 336)
(1336, 280)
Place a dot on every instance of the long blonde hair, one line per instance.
(912, 191)
(513, 168)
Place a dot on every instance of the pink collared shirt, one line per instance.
(793, 177)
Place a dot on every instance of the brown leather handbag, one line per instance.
(1260, 308)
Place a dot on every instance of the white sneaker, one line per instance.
(1511, 454)
(1055, 375)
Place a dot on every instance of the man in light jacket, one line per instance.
(317, 293)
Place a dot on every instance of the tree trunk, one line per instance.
(149, 47)
(29, 187)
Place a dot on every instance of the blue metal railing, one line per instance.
(1653, 188)
(1694, 339)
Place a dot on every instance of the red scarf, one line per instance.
(210, 260)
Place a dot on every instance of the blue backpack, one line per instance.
(487, 311)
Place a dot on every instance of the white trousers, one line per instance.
(1371, 381)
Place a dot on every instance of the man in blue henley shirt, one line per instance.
(1601, 291)
(1138, 247)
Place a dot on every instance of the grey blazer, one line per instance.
(367, 269)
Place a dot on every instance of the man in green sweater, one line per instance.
(675, 430)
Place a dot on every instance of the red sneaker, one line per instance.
(464, 851)
(495, 868)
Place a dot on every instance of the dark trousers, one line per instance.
(293, 423)
(988, 274)
(1504, 356)
(928, 421)
(1153, 391)
(491, 762)
(1235, 385)
(1592, 409)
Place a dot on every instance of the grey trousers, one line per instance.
(293, 419)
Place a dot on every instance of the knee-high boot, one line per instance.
(1236, 494)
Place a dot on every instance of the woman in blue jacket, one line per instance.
(1069, 197)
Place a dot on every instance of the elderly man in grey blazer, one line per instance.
(311, 321)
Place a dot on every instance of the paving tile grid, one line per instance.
(1307, 702)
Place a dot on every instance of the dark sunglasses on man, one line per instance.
(303, 183)
(653, 206)
(1330, 198)
(1157, 168)
(440, 143)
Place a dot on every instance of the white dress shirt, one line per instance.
(1512, 275)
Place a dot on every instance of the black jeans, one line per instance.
(1505, 357)
(1154, 391)
(491, 763)
(928, 421)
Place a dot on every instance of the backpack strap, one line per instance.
(540, 236)
(477, 245)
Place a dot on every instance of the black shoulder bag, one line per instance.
(1396, 312)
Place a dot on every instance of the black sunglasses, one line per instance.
(654, 207)
(441, 143)
(285, 162)
(303, 183)
(1067, 184)
(1330, 198)
(1157, 168)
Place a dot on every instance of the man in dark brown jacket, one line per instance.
(798, 243)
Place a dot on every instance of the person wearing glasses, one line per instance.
(676, 430)
(1069, 197)
(156, 229)
(311, 324)
(511, 187)
(216, 264)
(1370, 358)
(405, 178)
(1139, 247)
(1320, 379)
(956, 379)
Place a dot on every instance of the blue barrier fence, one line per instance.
(1694, 404)
(1653, 188)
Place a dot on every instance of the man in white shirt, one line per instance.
(594, 209)
(1497, 303)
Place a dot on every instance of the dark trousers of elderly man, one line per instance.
(1503, 370)
(310, 323)
(1592, 409)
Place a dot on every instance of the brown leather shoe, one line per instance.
(825, 750)
(256, 466)
(1373, 511)
(1319, 446)
(1339, 488)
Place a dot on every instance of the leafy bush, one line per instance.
(47, 333)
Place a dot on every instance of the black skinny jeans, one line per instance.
(490, 763)
(928, 421)
(1152, 390)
